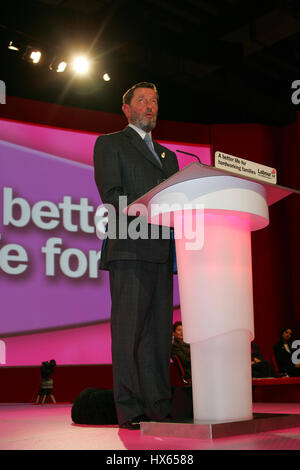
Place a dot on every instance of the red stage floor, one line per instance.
(49, 427)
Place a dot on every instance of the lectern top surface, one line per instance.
(198, 170)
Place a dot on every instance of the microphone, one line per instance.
(190, 154)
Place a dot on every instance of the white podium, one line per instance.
(213, 213)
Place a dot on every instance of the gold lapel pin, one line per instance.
(163, 155)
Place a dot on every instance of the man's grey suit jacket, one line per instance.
(125, 166)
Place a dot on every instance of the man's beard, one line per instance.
(144, 123)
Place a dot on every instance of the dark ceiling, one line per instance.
(215, 61)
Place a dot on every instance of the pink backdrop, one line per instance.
(276, 249)
(81, 344)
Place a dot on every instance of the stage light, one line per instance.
(13, 46)
(58, 65)
(61, 67)
(32, 55)
(81, 65)
(106, 77)
(35, 56)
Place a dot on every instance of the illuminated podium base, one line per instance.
(261, 422)
(213, 214)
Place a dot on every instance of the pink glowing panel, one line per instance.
(78, 146)
(68, 144)
(83, 345)
(44, 163)
(49, 250)
(47, 225)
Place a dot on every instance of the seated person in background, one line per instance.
(181, 349)
(260, 367)
(283, 354)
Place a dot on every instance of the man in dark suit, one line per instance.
(141, 277)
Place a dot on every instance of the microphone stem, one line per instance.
(190, 154)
